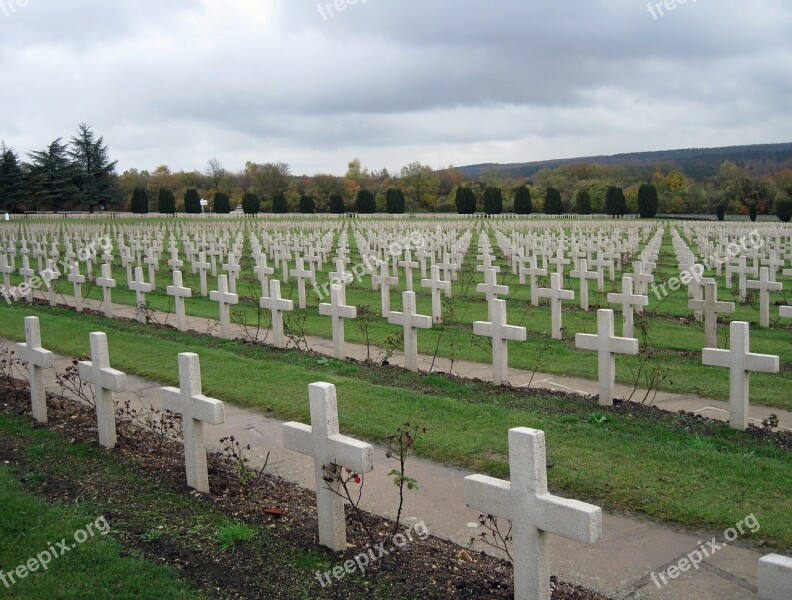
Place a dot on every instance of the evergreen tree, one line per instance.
(583, 202)
(465, 201)
(279, 204)
(307, 205)
(720, 212)
(12, 180)
(783, 209)
(192, 202)
(395, 202)
(553, 204)
(752, 211)
(51, 176)
(251, 205)
(222, 203)
(647, 201)
(493, 200)
(522, 201)
(95, 177)
(615, 202)
(337, 204)
(166, 203)
(366, 202)
(140, 204)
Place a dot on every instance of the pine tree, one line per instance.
(522, 201)
(394, 201)
(615, 202)
(647, 201)
(783, 207)
(279, 204)
(465, 201)
(307, 205)
(583, 202)
(140, 204)
(222, 203)
(493, 200)
(251, 205)
(366, 202)
(337, 204)
(166, 203)
(553, 204)
(192, 202)
(720, 212)
(95, 177)
(12, 180)
(51, 176)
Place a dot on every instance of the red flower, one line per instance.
(357, 479)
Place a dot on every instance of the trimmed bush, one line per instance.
(307, 205)
(166, 204)
(647, 201)
(366, 202)
(337, 204)
(394, 201)
(583, 202)
(279, 204)
(222, 203)
(522, 201)
(140, 201)
(493, 200)
(553, 204)
(192, 201)
(251, 205)
(465, 201)
(784, 209)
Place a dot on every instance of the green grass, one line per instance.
(92, 569)
(625, 462)
(680, 342)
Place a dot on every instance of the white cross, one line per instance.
(277, 306)
(49, 275)
(179, 293)
(533, 512)
(6, 268)
(774, 577)
(490, 287)
(709, 306)
(607, 345)
(408, 264)
(27, 274)
(628, 300)
(174, 262)
(263, 272)
(500, 332)
(340, 275)
(599, 263)
(384, 280)
(105, 381)
(141, 288)
(202, 267)
(743, 271)
(559, 261)
(436, 283)
(534, 272)
(301, 273)
(641, 280)
(195, 409)
(338, 311)
(226, 299)
(37, 359)
(77, 280)
(555, 293)
(233, 269)
(740, 361)
(153, 266)
(107, 283)
(411, 322)
(584, 275)
(765, 285)
(330, 450)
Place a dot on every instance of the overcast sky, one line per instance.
(178, 82)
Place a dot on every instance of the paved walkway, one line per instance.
(619, 565)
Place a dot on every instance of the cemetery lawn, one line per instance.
(95, 569)
(628, 458)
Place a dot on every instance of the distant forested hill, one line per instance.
(696, 163)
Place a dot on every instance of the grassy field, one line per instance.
(665, 326)
(709, 478)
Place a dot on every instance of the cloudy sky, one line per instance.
(178, 82)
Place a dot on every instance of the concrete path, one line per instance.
(620, 565)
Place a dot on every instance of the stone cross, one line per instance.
(411, 322)
(226, 300)
(49, 275)
(436, 283)
(301, 273)
(774, 577)
(641, 280)
(490, 287)
(559, 261)
(408, 264)
(584, 275)
(534, 272)
(27, 275)
(765, 285)
(152, 260)
(384, 280)
(341, 275)
(37, 359)
(107, 283)
(533, 512)
(500, 332)
(195, 410)
(141, 288)
(174, 262)
(555, 294)
(77, 280)
(628, 300)
(709, 306)
(743, 270)
(6, 268)
(105, 381)
(179, 293)
(202, 267)
(263, 272)
(331, 452)
(277, 306)
(607, 345)
(233, 269)
(337, 311)
(740, 362)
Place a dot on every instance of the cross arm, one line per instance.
(351, 453)
(298, 437)
(489, 495)
(568, 518)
